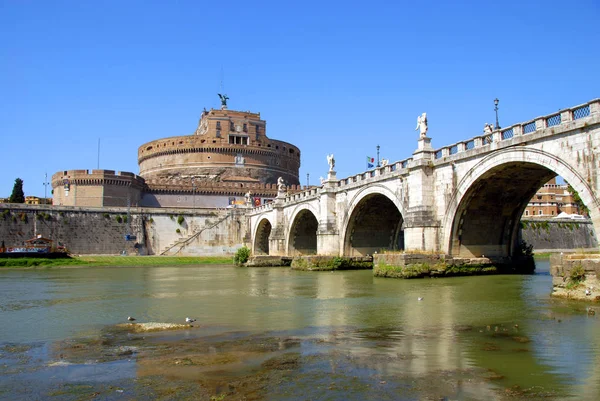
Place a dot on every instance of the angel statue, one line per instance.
(488, 128)
(422, 125)
(331, 162)
(223, 99)
(280, 185)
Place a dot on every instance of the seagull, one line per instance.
(588, 292)
(131, 319)
(189, 320)
(420, 299)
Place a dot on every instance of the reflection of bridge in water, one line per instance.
(464, 199)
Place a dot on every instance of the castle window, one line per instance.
(218, 124)
(291, 151)
(257, 129)
(540, 213)
(245, 128)
(276, 146)
(231, 127)
(238, 140)
(526, 212)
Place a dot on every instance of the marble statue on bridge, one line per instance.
(331, 162)
(422, 125)
(280, 187)
(488, 129)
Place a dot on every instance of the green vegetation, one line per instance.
(327, 263)
(44, 216)
(178, 231)
(91, 261)
(576, 277)
(577, 199)
(525, 249)
(5, 213)
(17, 195)
(124, 219)
(106, 215)
(23, 217)
(242, 255)
(180, 219)
(119, 219)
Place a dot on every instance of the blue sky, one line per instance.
(330, 77)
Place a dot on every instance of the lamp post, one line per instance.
(496, 110)
(307, 182)
(46, 183)
(378, 156)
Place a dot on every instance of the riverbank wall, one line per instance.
(104, 231)
(547, 235)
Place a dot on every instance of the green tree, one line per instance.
(17, 196)
(580, 205)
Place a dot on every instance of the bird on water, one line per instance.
(189, 320)
(131, 319)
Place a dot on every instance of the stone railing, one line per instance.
(551, 120)
(387, 170)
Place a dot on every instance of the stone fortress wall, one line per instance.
(102, 230)
(96, 188)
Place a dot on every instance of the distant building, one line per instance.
(551, 200)
(34, 200)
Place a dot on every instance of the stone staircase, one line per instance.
(183, 242)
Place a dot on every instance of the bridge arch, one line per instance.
(373, 221)
(302, 234)
(483, 215)
(261, 235)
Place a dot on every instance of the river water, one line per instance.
(278, 334)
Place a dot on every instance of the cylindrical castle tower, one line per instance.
(228, 146)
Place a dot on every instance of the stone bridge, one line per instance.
(465, 200)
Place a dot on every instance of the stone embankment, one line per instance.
(420, 265)
(576, 276)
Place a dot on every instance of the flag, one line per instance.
(370, 162)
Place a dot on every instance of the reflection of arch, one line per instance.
(373, 222)
(483, 214)
(302, 236)
(261, 237)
